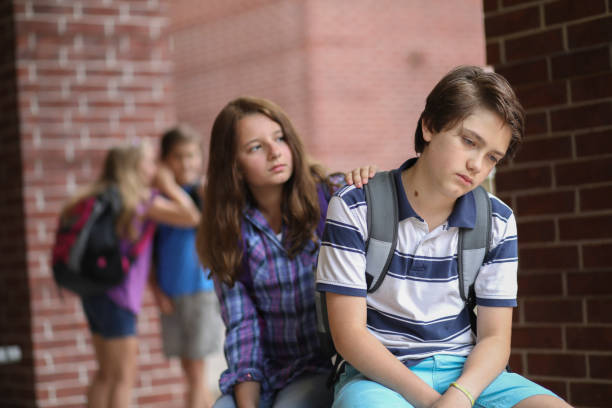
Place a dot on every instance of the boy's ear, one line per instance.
(426, 132)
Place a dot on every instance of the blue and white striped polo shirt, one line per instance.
(417, 311)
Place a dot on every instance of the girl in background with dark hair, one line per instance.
(263, 212)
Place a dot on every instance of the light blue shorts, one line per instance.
(353, 390)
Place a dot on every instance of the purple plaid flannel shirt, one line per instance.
(269, 313)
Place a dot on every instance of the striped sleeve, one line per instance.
(341, 264)
(496, 284)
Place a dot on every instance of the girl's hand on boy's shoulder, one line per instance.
(361, 175)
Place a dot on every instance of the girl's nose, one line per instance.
(273, 152)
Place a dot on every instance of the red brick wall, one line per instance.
(89, 74)
(16, 378)
(353, 76)
(557, 54)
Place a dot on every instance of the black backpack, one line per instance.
(87, 258)
(382, 222)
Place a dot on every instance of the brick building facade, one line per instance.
(557, 55)
(80, 75)
(85, 75)
(350, 74)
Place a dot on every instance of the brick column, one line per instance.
(16, 377)
(557, 54)
(89, 74)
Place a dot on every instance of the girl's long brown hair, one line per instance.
(219, 240)
(120, 169)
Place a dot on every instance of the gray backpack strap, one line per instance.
(473, 247)
(382, 220)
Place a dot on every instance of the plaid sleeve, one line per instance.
(242, 347)
(336, 181)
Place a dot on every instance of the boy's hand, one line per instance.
(164, 302)
(452, 398)
(360, 176)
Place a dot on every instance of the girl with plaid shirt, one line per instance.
(259, 234)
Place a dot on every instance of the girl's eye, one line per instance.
(281, 139)
(254, 148)
(493, 159)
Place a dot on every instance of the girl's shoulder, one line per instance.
(146, 201)
(332, 183)
(149, 196)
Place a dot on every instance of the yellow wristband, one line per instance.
(464, 391)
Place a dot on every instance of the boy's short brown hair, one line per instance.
(176, 135)
(460, 92)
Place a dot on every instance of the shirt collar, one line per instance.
(462, 216)
(257, 219)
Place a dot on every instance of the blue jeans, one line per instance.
(308, 391)
(353, 390)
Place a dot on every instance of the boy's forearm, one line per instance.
(490, 355)
(486, 361)
(347, 321)
(364, 352)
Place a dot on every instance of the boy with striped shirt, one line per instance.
(409, 343)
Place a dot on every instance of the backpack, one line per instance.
(382, 222)
(87, 257)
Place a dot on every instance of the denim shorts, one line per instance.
(107, 319)
(508, 389)
(306, 391)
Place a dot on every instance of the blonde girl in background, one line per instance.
(112, 316)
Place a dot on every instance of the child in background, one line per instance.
(409, 343)
(112, 316)
(263, 214)
(190, 321)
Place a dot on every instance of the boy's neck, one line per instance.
(428, 203)
(189, 183)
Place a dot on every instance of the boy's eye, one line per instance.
(468, 141)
